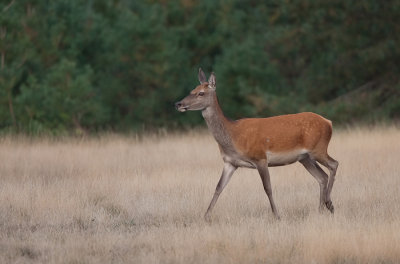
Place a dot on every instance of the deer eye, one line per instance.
(201, 94)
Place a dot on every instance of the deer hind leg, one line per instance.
(227, 173)
(262, 168)
(315, 170)
(332, 166)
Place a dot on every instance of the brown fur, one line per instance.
(253, 137)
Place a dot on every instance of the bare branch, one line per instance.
(3, 32)
(2, 60)
(8, 6)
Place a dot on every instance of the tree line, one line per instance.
(87, 66)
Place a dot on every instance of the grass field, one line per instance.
(126, 200)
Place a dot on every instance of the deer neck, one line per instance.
(218, 124)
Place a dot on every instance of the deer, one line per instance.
(260, 143)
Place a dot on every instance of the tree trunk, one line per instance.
(11, 107)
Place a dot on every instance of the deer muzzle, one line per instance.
(180, 107)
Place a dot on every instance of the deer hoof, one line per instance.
(330, 206)
(207, 218)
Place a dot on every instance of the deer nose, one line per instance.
(178, 104)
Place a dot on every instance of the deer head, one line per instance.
(201, 97)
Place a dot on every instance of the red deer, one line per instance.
(260, 143)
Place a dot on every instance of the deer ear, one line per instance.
(212, 82)
(202, 76)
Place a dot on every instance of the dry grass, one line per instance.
(123, 200)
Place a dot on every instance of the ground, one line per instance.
(125, 199)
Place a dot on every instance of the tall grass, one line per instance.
(127, 200)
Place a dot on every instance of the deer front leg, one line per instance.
(262, 168)
(229, 169)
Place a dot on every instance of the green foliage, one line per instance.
(64, 98)
(81, 66)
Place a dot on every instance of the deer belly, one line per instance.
(284, 158)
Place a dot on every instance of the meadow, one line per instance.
(128, 199)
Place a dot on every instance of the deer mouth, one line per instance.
(180, 107)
